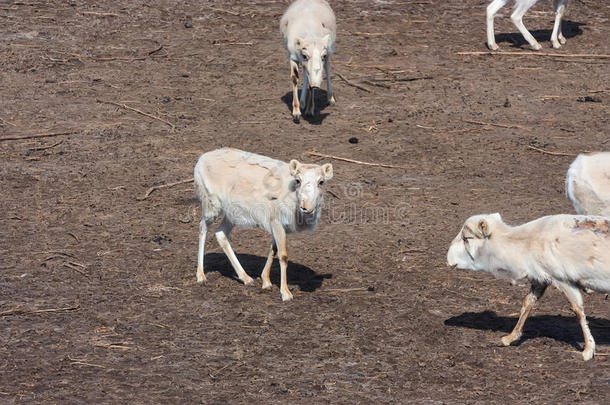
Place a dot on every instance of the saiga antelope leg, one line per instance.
(536, 292)
(267, 268)
(222, 235)
(575, 298)
(279, 235)
(294, 76)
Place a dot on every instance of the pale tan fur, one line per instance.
(571, 252)
(309, 29)
(251, 190)
(588, 184)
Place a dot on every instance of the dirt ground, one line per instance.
(98, 297)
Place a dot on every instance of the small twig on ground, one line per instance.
(375, 34)
(18, 137)
(6, 122)
(100, 14)
(126, 107)
(154, 51)
(495, 125)
(553, 153)
(347, 289)
(385, 86)
(75, 268)
(235, 43)
(402, 79)
(83, 363)
(554, 55)
(350, 83)
(333, 194)
(47, 147)
(153, 188)
(19, 311)
(596, 353)
(313, 153)
(221, 10)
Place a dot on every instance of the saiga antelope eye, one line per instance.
(304, 57)
(321, 182)
(297, 182)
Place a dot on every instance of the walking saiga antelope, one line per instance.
(309, 30)
(251, 190)
(571, 252)
(521, 7)
(588, 184)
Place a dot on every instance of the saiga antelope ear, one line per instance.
(328, 171)
(295, 166)
(484, 229)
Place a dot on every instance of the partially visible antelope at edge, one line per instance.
(588, 184)
(251, 190)
(309, 30)
(570, 252)
(521, 7)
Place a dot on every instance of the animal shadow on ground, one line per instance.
(570, 29)
(302, 276)
(320, 104)
(561, 328)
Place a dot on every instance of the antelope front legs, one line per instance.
(279, 235)
(329, 88)
(294, 77)
(536, 291)
(267, 268)
(557, 37)
(517, 19)
(492, 9)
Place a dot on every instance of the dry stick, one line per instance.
(352, 83)
(313, 153)
(15, 138)
(347, 289)
(17, 311)
(138, 111)
(6, 122)
(48, 147)
(495, 125)
(223, 10)
(556, 55)
(375, 34)
(100, 14)
(75, 361)
(235, 43)
(150, 190)
(554, 153)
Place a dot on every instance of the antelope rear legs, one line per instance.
(575, 298)
(222, 235)
(536, 291)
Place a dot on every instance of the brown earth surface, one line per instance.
(98, 297)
